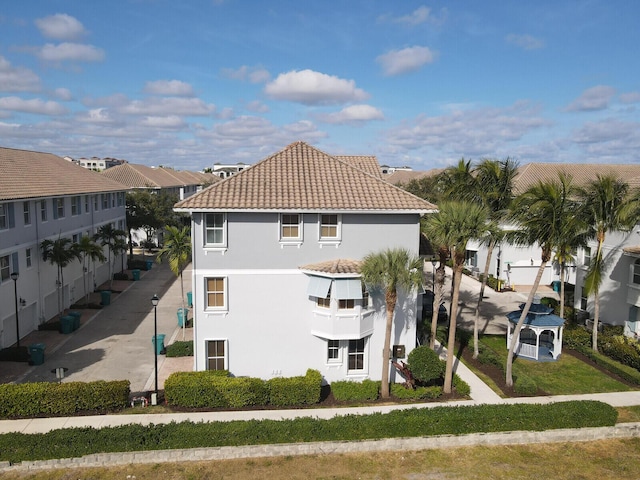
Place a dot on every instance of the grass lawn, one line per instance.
(566, 376)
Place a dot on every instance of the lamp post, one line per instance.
(154, 302)
(14, 277)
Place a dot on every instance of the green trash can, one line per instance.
(66, 324)
(136, 274)
(183, 316)
(149, 264)
(556, 286)
(36, 352)
(76, 319)
(159, 344)
(106, 297)
(190, 299)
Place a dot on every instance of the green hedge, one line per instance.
(420, 393)
(345, 391)
(624, 371)
(44, 398)
(445, 420)
(425, 364)
(462, 388)
(215, 389)
(576, 338)
(180, 349)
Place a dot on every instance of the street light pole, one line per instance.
(154, 302)
(14, 277)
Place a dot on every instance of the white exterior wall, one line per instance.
(269, 317)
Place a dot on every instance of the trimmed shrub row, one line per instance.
(44, 398)
(215, 389)
(453, 420)
(180, 349)
(367, 390)
(420, 393)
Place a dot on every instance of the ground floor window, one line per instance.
(583, 299)
(357, 355)
(216, 355)
(333, 351)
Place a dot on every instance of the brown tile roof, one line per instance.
(366, 163)
(335, 266)
(27, 174)
(303, 178)
(141, 176)
(581, 173)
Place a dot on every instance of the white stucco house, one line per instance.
(276, 257)
(43, 196)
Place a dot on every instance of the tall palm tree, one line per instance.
(60, 252)
(608, 207)
(90, 251)
(391, 269)
(177, 249)
(114, 240)
(454, 225)
(574, 234)
(540, 214)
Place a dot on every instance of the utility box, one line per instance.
(398, 351)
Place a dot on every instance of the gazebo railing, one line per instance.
(527, 350)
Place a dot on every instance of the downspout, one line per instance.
(196, 341)
(41, 318)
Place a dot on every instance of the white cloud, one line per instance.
(98, 116)
(314, 88)
(76, 52)
(171, 122)
(60, 27)
(608, 141)
(630, 97)
(397, 62)
(419, 16)
(526, 42)
(17, 79)
(34, 105)
(353, 114)
(167, 106)
(173, 88)
(257, 106)
(63, 94)
(595, 98)
(246, 73)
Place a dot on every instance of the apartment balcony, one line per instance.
(343, 324)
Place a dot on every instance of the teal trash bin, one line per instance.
(36, 352)
(183, 316)
(106, 297)
(190, 299)
(66, 324)
(136, 274)
(76, 319)
(149, 264)
(556, 286)
(159, 344)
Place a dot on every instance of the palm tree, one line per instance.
(608, 207)
(540, 214)
(391, 269)
(59, 252)
(574, 234)
(454, 225)
(177, 249)
(114, 240)
(90, 251)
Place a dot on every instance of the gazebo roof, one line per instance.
(539, 315)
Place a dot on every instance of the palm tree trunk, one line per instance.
(391, 299)
(563, 269)
(451, 343)
(596, 296)
(438, 294)
(523, 316)
(483, 284)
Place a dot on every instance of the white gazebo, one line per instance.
(540, 338)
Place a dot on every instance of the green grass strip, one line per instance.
(454, 420)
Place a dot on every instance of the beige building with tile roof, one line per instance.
(276, 266)
(43, 196)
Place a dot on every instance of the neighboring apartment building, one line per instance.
(43, 196)
(276, 266)
(227, 170)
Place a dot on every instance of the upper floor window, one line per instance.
(329, 227)
(347, 304)
(26, 212)
(216, 293)
(76, 205)
(5, 271)
(95, 202)
(105, 201)
(86, 204)
(636, 272)
(43, 210)
(58, 208)
(120, 199)
(214, 229)
(4, 216)
(113, 200)
(291, 226)
(29, 257)
(324, 302)
(586, 256)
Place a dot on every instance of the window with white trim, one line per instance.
(333, 351)
(324, 302)
(43, 210)
(5, 270)
(216, 355)
(216, 293)
(347, 304)
(583, 299)
(58, 208)
(214, 229)
(4, 216)
(26, 212)
(365, 296)
(356, 355)
(105, 201)
(95, 203)
(113, 200)
(291, 226)
(86, 204)
(28, 255)
(76, 205)
(586, 256)
(636, 272)
(329, 227)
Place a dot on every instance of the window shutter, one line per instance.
(12, 218)
(14, 262)
(319, 287)
(348, 289)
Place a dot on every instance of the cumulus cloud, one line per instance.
(17, 79)
(630, 97)
(419, 16)
(257, 106)
(172, 88)
(397, 62)
(60, 27)
(247, 74)
(63, 94)
(97, 115)
(314, 88)
(526, 42)
(595, 98)
(167, 106)
(75, 52)
(353, 114)
(608, 141)
(34, 105)
(170, 122)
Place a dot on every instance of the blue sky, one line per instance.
(191, 83)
